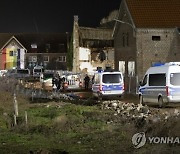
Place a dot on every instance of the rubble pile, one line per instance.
(128, 109)
(138, 113)
(56, 95)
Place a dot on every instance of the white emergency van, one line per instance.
(161, 84)
(107, 84)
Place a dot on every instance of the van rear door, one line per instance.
(174, 90)
(111, 82)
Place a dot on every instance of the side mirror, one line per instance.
(141, 83)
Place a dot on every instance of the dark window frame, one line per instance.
(156, 38)
(158, 79)
(144, 82)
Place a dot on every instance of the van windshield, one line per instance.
(48, 76)
(23, 71)
(175, 79)
(111, 78)
(37, 70)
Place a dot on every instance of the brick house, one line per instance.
(147, 32)
(28, 50)
(92, 48)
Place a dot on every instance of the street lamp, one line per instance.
(123, 22)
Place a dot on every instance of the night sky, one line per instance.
(52, 15)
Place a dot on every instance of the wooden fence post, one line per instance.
(15, 105)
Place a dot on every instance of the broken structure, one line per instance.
(92, 48)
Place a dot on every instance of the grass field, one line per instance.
(68, 127)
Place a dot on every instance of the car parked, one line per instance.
(72, 81)
(18, 73)
(3, 73)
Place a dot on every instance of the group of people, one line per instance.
(57, 82)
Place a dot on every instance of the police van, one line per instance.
(107, 84)
(161, 84)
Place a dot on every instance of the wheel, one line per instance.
(122, 97)
(141, 101)
(161, 102)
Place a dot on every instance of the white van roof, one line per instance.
(109, 72)
(172, 67)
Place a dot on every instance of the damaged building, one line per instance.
(92, 48)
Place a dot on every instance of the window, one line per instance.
(111, 78)
(123, 40)
(15, 53)
(127, 38)
(96, 79)
(48, 46)
(122, 67)
(175, 79)
(10, 53)
(32, 58)
(62, 59)
(156, 38)
(131, 68)
(23, 71)
(157, 79)
(48, 76)
(46, 58)
(144, 82)
(34, 46)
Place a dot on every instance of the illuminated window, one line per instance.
(34, 46)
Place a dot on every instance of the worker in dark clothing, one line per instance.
(53, 80)
(58, 83)
(86, 81)
(54, 83)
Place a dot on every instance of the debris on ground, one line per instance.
(138, 112)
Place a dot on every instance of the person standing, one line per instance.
(54, 83)
(86, 81)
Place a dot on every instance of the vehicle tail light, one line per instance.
(65, 85)
(167, 90)
(123, 86)
(100, 87)
(80, 84)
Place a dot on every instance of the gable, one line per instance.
(13, 43)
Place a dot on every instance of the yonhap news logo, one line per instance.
(140, 139)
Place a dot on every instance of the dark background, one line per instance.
(52, 15)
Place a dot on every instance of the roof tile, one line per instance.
(155, 13)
